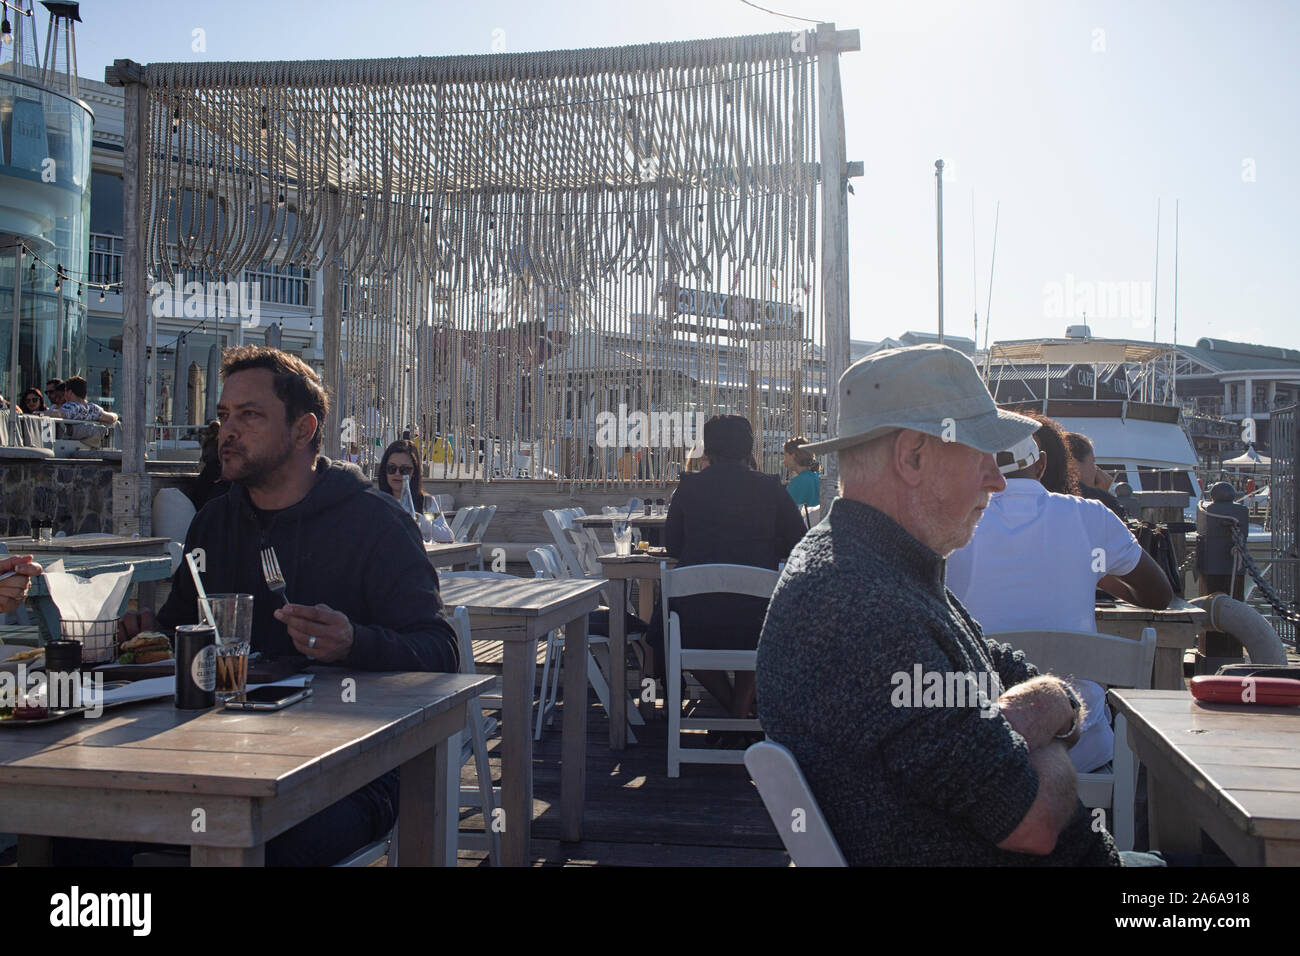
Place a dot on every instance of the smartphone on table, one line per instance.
(270, 697)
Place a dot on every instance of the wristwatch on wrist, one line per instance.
(1075, 705)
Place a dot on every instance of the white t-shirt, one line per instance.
(1034, 563)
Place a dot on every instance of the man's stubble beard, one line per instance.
(937, 532)
(257, 471)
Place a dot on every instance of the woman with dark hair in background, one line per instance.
(32, 402)
(1061, 474)
(402, 459)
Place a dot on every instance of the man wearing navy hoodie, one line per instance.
(363, 594)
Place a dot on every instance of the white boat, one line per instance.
(1118, 392)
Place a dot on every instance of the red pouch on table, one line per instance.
(1271, 691)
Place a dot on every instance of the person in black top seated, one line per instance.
(364, 596)
(727, 514)
(1091, 478)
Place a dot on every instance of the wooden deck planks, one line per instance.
(635, 815)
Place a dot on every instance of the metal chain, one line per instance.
(1288, 612)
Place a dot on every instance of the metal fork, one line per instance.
(271, 573)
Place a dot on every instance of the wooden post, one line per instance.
(131, 488)
(834, 235)
(332, 309)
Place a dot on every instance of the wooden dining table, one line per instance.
(1176, 630)
(520, 612)
(108, 544)
(225, 782)
(455, 553)
(1231, 771)
(639, 519)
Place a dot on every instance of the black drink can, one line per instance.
(196, 666)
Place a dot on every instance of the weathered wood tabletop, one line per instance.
(449, 555)
(1232, 771)
(114, 544)
(639, 519)
(520, 612)
(141, 772)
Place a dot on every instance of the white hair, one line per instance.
(860, 465)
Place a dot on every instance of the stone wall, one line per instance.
(75, 493)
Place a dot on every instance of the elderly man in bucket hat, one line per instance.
(893, 703)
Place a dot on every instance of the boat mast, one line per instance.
(974, 267)
(1173, 362)
(989, 307)
(938, 185)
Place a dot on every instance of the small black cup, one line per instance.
(62, 670)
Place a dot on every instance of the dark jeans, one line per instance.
(342, 828)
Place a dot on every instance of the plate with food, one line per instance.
(33, 714)
(11, 655)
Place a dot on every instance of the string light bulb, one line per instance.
(6, 31)
(101, 295)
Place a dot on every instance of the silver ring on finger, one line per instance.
(311, 641)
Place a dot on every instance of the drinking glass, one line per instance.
(622, 539)
(233, 616)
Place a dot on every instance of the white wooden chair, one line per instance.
(792, 806)
(484, 796)
(463, 521)
(1111, 662)
(705, 579)
(559, 520)
(481, 522)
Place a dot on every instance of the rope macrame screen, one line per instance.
(524, 242)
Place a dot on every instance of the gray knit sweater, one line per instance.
(859, 602)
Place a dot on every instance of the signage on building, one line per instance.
(766, 315)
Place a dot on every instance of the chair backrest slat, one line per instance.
(709, 578)
(1111, 661)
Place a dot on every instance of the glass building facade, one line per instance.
(45, 149)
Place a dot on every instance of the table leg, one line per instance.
(573, 753)
(446, 815)
(518, 678)
(1168, 671)
(1173, 829)
(35, 850)
(617, 667)
(228, 855)
(421, 801)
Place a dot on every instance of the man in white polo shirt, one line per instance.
(1035, 562)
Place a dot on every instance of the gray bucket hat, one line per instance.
(929, 388)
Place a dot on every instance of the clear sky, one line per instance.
(1077, 116)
